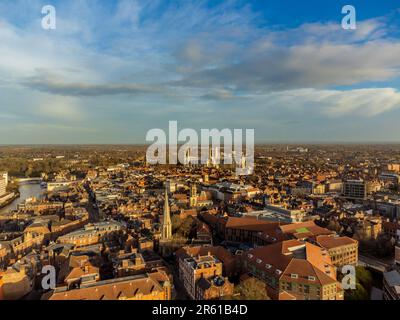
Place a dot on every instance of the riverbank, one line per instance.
(15, 196)
(25, 191)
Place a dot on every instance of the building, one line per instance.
(17, 281)
(5, 254)
(394, 167)
(368, 228)
(202, 277)
(392, 230)
(3, 184)
(101, 232)
(390, 177)
(58, 186)
(397, 254)
(304, 231)
(193, 195)
(355, 189)
(213, 289)
(4, 175)
(153, 286)
(278, 213)
(295, 269)
(342, 250)
(391, 285)
(229, 263)
(129, 264)
(250, 230)
(391, 279)
(166, 228)
(335, 186)
(388, 208)
(319, 189)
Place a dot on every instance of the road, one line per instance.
(373, 263)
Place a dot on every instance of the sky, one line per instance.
(113, 70)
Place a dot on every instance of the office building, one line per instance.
(355, 189)
(3, 185)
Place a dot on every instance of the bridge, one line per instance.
(28, 180)
(372, 263)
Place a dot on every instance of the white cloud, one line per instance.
(150, 59)
(60, 108)
(336, 103)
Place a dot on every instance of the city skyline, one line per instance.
(112, 71)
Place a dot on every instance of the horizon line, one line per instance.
(256, 143)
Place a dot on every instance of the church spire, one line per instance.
(166, 224)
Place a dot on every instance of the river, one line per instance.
(26, 191)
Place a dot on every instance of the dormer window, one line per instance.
(278, 272)
(268, 266)
(250, 256)
(259, 260)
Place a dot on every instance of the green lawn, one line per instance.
(302, 230)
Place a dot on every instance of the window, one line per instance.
(294, 276)
(311, 278)
(268, 266)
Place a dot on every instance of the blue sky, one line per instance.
(112, 70)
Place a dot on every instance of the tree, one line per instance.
(251, 289)
(360, 293)
(364, 277)
(334, 225)
(363, 285)
(384, 246)
(176, 223)
(181, 228)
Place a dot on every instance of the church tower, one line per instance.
(166, 224)
(187, 157)
(193, 195)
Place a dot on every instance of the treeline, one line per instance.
(18, 167)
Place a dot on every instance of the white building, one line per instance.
(5, 176)
(3, 184)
